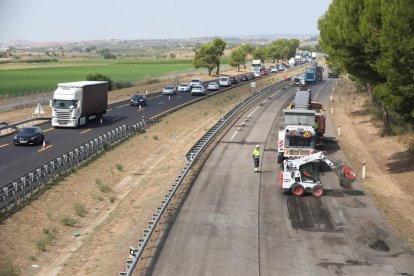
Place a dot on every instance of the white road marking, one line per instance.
(250, 115)
(234, 135)
(89, 129)
(122, 105)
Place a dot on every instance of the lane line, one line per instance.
(108, 110)
(117, 118)
(122, 105)
(89, 129)
(3, 145)
(45, 148)
(49, 129)
(179, 97)
(250, 115)
(154, 97)
(161, 103)
(234, 135)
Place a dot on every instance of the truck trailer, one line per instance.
(76, 103)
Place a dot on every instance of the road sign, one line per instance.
(253, 84)
(39, 109)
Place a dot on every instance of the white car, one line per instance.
(213, 86)
(196, 82)
(225, 81)
(274, 69)
(198, 90)
(184, 87)
(169, 90)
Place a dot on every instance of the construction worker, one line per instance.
(256, 158)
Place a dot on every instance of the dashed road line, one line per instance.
(108, 110)
(1, 146)
(179, 97)
(115, 119)
(155, 97)
(49, 129)
(251, 113)
(89, 129)
(161, 103)
(122, 105)
(45, 148)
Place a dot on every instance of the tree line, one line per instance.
(373, 42)
(209, 55)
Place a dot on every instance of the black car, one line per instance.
(138, 100)
(233, 80)
(244, 78)
(29, 136)
(333, 75)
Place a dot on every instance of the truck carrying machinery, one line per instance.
(76, 103)
(313, 74)
(302, 175)
(303, 128)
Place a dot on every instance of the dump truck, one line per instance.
(76, 103)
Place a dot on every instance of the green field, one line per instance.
(48, 75)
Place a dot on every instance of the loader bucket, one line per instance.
(346, 174)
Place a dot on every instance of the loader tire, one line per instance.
(317, 190)
(297, 190)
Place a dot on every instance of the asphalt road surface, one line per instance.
(238, 222)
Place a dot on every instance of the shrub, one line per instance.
(68, 221)
(122, 84)
(100, 77)
(80, 209)
(41, 244)
(119, 167)
(104, 188)
(150, 80)
(112, 198)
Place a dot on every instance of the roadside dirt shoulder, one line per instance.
(390, 165)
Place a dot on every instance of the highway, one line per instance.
(18, 160)
(237, 222)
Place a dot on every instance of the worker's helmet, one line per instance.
(257, 146)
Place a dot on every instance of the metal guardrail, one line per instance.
(29, 183)
(14, 126)
(192, 155)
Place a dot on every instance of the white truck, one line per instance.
(76, 103)
(297, 138)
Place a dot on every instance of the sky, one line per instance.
(75, 20)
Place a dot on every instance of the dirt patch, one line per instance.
(390, 168)
(119, 192)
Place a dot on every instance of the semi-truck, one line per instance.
(76, 103)
(257, 66)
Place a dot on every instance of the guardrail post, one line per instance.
(6, 197)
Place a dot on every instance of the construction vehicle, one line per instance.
(302, 175)
(303, 128)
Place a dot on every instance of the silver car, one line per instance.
(213, 86)
(169, 90)
(198, 90)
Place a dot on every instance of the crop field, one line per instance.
(23, 78)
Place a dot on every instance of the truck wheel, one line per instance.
(298, 190)
(317, 191)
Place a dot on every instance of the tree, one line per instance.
(373, 42)
(248, 49)
(219, 45)
(206, 57)
(237, 57)
(274, 51)
(260, 53)
(100, 77)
